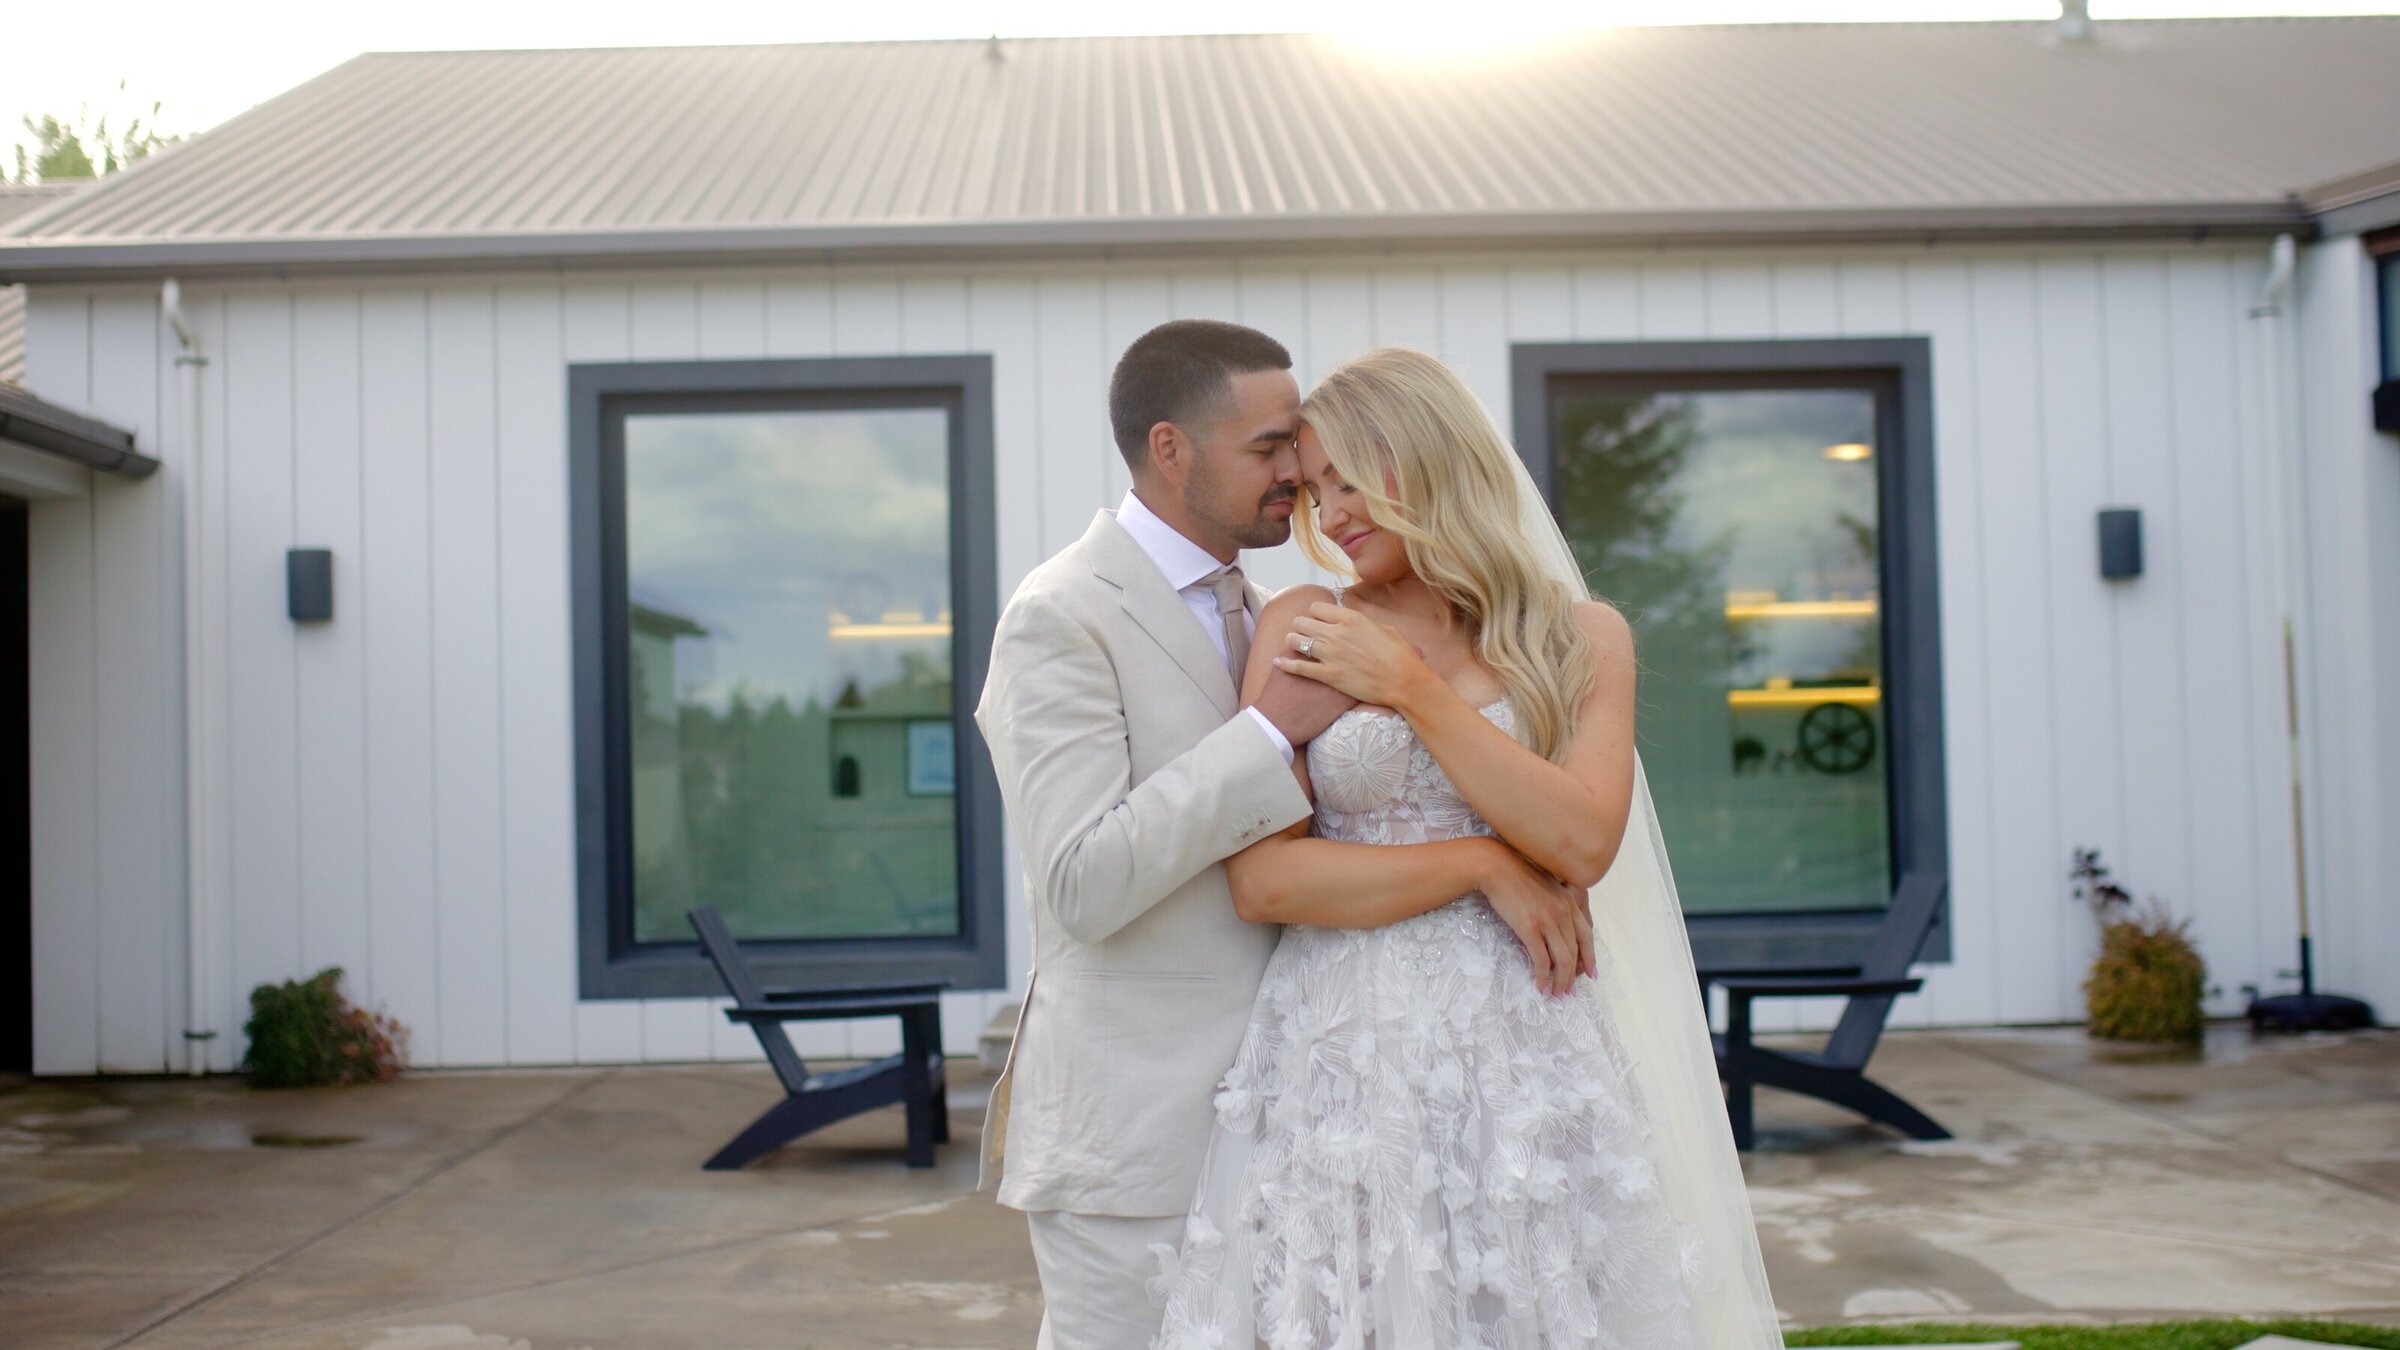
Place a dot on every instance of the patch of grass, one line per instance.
(2212, 1335)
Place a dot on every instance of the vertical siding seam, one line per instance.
(291, 631)
(433, 702)
(1041, 396)
(1983, 614)
(1441, 313)
(88, 507)
(566, 361)
(366, 743)
(170, 644)
(499, 689)
(2183, 682)
(220, 715)
(2116, 626)
(2045, 514)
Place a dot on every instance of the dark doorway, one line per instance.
(16, 800)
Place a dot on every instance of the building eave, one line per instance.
(2358, 203)
(59, 260)
(33, 424)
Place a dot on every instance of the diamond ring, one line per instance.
(1307, 645)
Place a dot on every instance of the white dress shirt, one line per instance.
(1188, 568)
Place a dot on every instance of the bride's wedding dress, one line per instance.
(1416, 1149)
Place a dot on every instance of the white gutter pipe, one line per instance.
(2278, 302)
(197, 826)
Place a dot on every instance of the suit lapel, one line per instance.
(1158, 610)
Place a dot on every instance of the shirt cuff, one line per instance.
(1283, 744)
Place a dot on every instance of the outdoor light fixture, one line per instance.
(2120, 543)
(1849, 452)
(308, 584)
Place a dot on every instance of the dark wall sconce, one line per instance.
(2120, 543)
(308, 584)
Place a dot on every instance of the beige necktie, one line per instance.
(1232, 596)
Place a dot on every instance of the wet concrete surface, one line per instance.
(532, 1209)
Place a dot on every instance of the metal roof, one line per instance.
(12, 335)
(470, 158)
(17, 199)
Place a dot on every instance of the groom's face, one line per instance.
(1244, 481)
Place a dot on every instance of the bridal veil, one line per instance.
(1656, 1008)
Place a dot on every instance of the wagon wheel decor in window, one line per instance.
(1836, 738)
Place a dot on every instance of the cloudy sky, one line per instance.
(205, 63)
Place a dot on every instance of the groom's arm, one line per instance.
(1103, 849)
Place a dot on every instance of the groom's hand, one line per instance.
(1552, 918)
(1300, 708)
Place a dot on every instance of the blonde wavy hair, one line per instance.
(1400, 411)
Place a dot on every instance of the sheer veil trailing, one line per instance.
(1656, 1009)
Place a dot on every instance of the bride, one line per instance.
(1432, 1139)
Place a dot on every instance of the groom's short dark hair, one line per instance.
(1180, 371)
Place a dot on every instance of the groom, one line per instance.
(1129, 778)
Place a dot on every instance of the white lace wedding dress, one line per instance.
(1416, 1149)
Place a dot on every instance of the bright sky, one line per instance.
(206, 62)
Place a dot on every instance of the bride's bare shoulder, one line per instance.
(1606, 628)
(1290, 601)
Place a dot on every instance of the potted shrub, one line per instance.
(2145, 984)
(303, 1033)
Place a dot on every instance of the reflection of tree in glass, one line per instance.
(1619, 501)
(769, 838)
(1865, 653)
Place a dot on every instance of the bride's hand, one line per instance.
(1552, 919)
(1365, 659)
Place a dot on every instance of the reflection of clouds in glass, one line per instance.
(1758, 477)
(756, 515)
(737, 494)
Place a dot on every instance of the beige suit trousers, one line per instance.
(1096, 1272)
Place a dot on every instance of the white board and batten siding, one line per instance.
(405, 773)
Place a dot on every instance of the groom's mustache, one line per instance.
(1285, 493)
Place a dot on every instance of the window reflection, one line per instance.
(1737, 529)
(789, 631)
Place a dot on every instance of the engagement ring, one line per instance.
(1307, 644)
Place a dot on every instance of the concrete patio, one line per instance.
(567, 1208)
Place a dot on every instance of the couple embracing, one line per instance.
(1361, 1013)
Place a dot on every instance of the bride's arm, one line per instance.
(1568, 817)
(1293, 877)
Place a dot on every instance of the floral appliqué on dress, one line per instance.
(1415, 1148)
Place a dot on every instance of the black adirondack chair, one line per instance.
(912, 1078)
(1838, 1073)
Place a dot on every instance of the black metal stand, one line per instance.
(2309, 1010)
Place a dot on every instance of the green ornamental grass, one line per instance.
(2209, 1335)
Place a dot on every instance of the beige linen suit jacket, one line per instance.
(1128, 781)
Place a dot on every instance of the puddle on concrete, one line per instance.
(274, 1139)
(221, 1135)
(2110, 1052)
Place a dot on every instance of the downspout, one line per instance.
(2278, 303)
(196, 825)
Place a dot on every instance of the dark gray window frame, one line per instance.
(2384, 254)
(612, 966)
(1900, 370)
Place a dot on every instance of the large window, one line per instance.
(785, 592)
(1761, 512)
